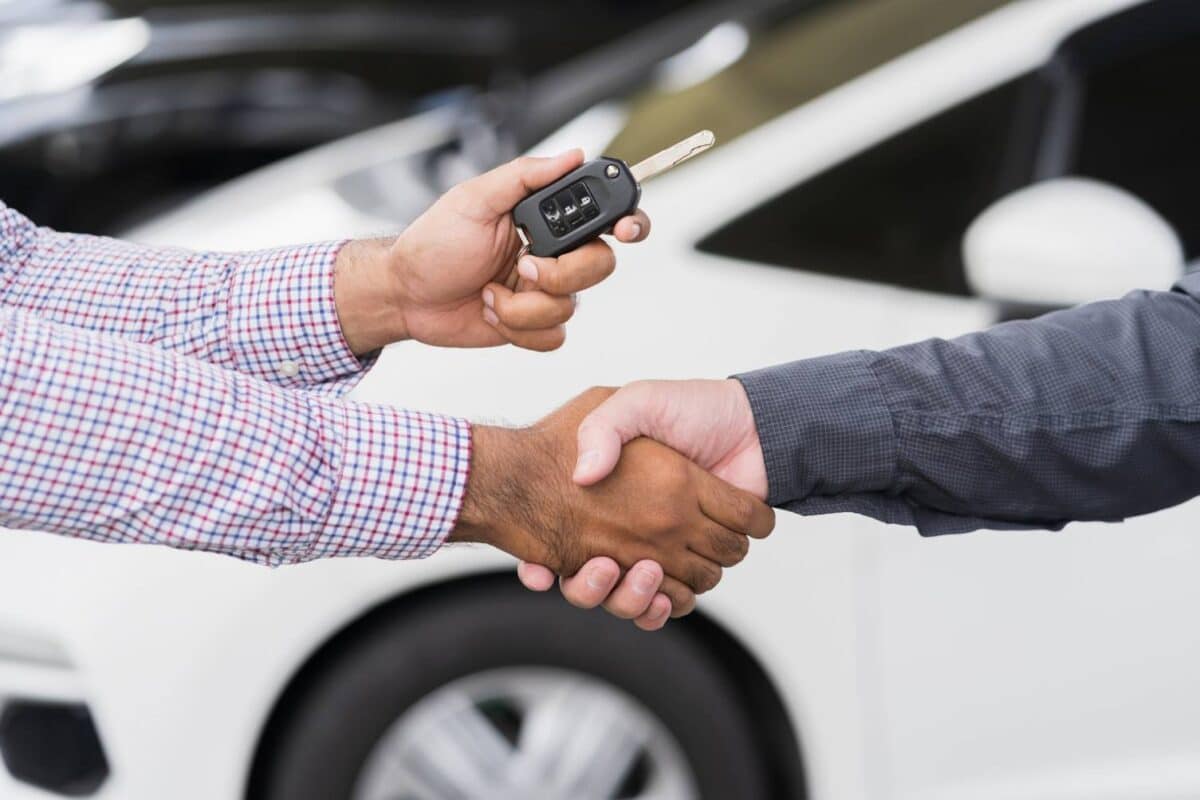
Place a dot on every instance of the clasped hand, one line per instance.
(654, 506)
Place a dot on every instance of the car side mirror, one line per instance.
(1069, 241)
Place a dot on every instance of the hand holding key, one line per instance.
(450, 264)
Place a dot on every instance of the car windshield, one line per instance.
(790, 64)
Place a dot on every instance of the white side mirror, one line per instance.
(1069, 241)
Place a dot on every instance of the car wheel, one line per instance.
(488, 691)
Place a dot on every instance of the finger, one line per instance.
(702, 575)
(657, 615)
(542, 340)
(592, 584)
(571, 272)
(603, 433)
(733, 508)
(535, 577)
(683, 599)
(633, 228)
(721, 545)
(500, 189)
(527, 311)
(698, 572)
(636, 591)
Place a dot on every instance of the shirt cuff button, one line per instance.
(289, 369)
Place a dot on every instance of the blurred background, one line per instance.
(886, 170)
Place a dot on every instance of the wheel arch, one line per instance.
(777, 736)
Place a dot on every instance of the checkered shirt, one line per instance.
(191, 399)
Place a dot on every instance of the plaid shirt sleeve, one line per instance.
(1031, 424)
(118, 441)
(269, 314)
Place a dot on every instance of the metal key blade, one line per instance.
(674, 155)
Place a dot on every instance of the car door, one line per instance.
(1063, 665)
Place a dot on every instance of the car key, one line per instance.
(580, 206)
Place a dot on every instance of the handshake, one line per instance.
(588, 492)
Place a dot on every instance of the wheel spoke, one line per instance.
(451, 751)
(580, 742)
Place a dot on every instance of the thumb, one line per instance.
(601, 436)
(508, 184)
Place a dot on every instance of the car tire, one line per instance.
(332, 724)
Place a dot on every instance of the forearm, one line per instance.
(117, 441)
(1030, 424)
(277, 314)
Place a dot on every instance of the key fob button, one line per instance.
(576, 208)
(549, 210)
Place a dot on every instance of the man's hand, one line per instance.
(655, 505)
(442, 281)
(709, 422)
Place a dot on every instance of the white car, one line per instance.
(845, 659)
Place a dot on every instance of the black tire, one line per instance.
(323, 736)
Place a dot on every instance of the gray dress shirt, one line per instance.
(1087, 414)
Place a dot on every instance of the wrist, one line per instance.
(505, 490)
(367, 295)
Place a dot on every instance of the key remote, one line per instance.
(589, 200)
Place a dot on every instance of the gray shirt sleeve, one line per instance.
(1087, 414)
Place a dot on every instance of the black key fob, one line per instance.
(577, 207)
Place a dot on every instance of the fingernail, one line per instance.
(490, 317)
(644, 581)
(489, 299)
(527, 269)
(637, 229)
(597, 579)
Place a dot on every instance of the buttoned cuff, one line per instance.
(402, 476)
(824, 427)
(283, 321)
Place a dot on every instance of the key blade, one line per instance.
(673, 156)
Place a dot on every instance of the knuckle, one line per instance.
(608, 261)
(769, 527)
(682, 603)
(563, 312)
(731, 548)
(705, 577)
(742, 510)
(621, 606)
(578, 597)
(544, 343)
(550, 277)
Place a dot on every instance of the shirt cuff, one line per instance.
(283, 322)
(402, 476)
(824, 427)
